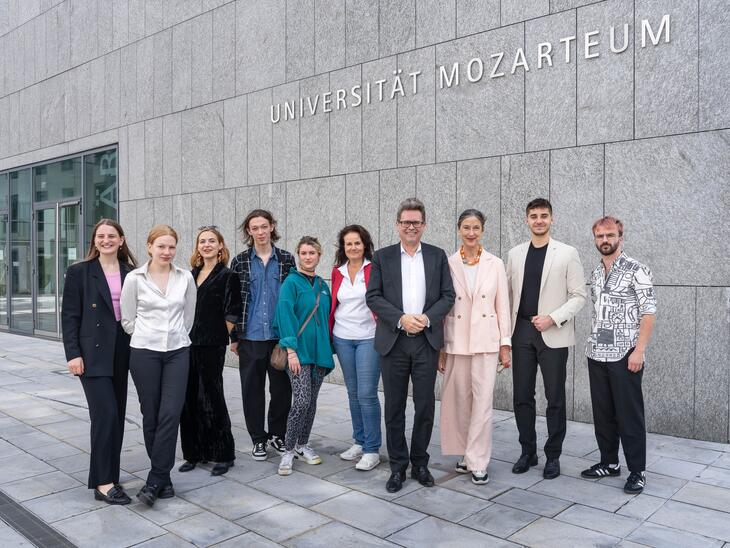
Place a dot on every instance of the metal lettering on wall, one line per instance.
(499, 64)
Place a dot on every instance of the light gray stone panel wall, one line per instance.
(95, 105)
(202, 147)
(123, 162)
(39, 45)
(395, 186)
(712, 380)
(202, 63)
(162, 73)
(259, 168)
(211, 4)
(688, 175)
(315, 147)
(550, 94)
(362, 199)
(299, 39)
(120, 27)
(247, 198)
(154, 16)
(285, 136)
(172, 154)
(162, 211)
(83, 77)
(261, 44)
(83, 31)
(136, 10)
(128, 220)
(201, 214)
(181, 10)
(670, 363)
(27, 33)
(514, 11)
(327, 195)
(31, 116)
(605, 85)
(128, 91)
(182, 220)
(670, 67)
(50, 44)
(273, 198)
(524, 178)
(562, 5)
(361, 30)
(576, 193)
(714, 64)
(153, 157)
(582, 409)
(478, 187)
(417, 112)
(52, 105)
(224, 52)
(345, 126)
(397, 26)
(484, 118)
(145, 75)
(112, 89)
(182, 66)
(235, 141)
(436, 188)
(379, 118)
(435, 21)
(145, 221)
(64, 36)
(4, 116)
(329, 35)
(14, 123)
(224, 215)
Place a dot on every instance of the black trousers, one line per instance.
(411, 358)
(528, 351)
(253, 367)
(205, 427)
(618, 411)
(161, 379)
(107, 400)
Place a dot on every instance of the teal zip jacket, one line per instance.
(296, 300)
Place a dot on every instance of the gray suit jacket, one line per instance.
(385, 295)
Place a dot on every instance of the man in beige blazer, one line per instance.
(547, 289)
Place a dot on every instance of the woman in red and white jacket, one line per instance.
(352, 325)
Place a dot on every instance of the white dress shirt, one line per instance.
(413, 281)
(353, 319)
(158, 321)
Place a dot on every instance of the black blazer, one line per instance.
(385, 294)
(219, 300)
(87, 318)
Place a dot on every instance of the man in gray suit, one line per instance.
(410, 291)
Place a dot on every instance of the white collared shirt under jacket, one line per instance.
(353, 319)
(413, 279)
(158, 321)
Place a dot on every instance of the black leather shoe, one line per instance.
(423, 476)
(167, 492)
(395, 482)
(552, 469)
(148, 494)
(523, 464)
(186, 466)
(115, 495)
(221, 468)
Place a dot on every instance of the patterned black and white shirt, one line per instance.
(619, 301)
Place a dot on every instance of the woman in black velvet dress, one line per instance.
(205, 427)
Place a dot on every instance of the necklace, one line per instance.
(470, 262)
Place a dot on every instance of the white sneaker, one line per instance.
(353, 453)
(308, 454)
(368, 461)
(479, 477)
(461, 467)
(286, 463)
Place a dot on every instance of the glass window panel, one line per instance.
(3, 268)
(3, 191)
(46, 267)
(58, 181)
(21, 260)
(100, 179)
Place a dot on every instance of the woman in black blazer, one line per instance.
(205, 427)
(97, 350)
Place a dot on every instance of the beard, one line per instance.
(607, 249)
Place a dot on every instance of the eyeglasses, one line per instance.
(207, 227)
(414, 224)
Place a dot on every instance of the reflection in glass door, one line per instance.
(69, 248)
(3, 269)
(46, 270)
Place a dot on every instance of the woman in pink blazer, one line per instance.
(476, 338)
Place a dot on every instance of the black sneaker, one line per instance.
(635, 483)
(277, 444)
(601, 470)
(259, 451)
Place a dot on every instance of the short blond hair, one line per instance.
(160, 230)
(309, 240)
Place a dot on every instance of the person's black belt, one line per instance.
(407, 334)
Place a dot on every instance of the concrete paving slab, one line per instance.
(56, 450)
(436, 532)
(371, 482)
(599, 520)
(283, 521)
(676, 468)
(165, 510)
(687, 517)
(337, 534)
(20, 466)
(64, 504)
(499, 521)
(166, 541)
(715, 476)
(657, 485)
(299, 488)
(230, 500)
(11, 538)
(39, 486)
(443, 503)
(72, 463)
(532, 502)
(596, 495)
(249, 540)
(463, 484)
(113, 526)
(548, 533)
(641, 506)
(659, 536)
(708, 496)
(204, 529)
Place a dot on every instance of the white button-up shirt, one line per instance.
(156, 320)
(353, 319)
(413, 280)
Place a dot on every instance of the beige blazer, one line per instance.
(562, 289)
(479, 322)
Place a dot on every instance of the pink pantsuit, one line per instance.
(475, 328)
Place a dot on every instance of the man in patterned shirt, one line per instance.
(624, 309)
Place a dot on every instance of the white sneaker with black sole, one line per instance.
(259, 451)
(479, 477)
(461, 468)
(307, 454)
(277, 444)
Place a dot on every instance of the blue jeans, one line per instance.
(361, 367)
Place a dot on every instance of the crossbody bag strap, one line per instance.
(316, 306)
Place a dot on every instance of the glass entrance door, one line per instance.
(3, 269)
(57, 237)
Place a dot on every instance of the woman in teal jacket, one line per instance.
(310, 354)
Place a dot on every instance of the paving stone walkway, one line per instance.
(44, 445)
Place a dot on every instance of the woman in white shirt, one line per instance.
(353, 330)
(158, 309)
